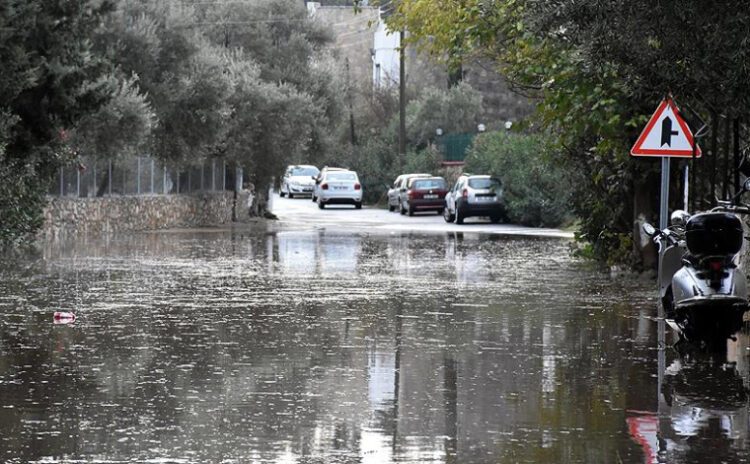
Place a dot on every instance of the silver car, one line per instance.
(339, 188)
(475, 196)
(298, 180)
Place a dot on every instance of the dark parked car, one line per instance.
(424, 194)
(399, 185)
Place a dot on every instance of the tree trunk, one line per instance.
(725, 170)
(103, 186)
(714, 156)
(260, 201)
(736, 164)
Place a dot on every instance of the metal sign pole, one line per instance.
(664, 201)
(686, 192)
(661, 324)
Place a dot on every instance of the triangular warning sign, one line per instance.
(666, 134)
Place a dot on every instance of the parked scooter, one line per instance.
(703, 292)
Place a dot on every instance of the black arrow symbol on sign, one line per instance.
(667, 132)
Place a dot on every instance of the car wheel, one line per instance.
(358, 205)
(410, 211)
(447, 215)
(440, 212)
(321, 205)
(291, 195)
(459, 216)
(281, 193)
(495, 219)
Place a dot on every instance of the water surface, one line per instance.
(330, 347)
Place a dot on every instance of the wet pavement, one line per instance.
(311, 343)
(301, 212)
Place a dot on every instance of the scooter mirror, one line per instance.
(679, 218)
(649, 229)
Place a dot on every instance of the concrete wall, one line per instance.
(67, 216)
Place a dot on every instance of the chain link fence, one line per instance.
(142, 176)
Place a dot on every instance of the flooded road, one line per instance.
(316, 346)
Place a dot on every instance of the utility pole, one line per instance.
(402, 99)
(350, 97)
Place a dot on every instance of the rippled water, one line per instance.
(322, 347)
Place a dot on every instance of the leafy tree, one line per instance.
(50, 80)
(243, 81)
(269, 125)
(179, 71)
(120, 127)
(456, 111)
(597, 70)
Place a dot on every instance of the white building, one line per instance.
(385, 57)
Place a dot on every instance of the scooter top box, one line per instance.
(714, 234)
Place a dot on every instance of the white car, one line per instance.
(339, 188)
(298, 180)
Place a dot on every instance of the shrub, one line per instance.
(535, 189)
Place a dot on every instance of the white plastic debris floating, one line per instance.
(63, 317)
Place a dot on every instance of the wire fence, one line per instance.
(142, 176)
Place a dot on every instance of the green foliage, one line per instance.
(375, 155)
(50, 80)
(121, 127)
(242, 81)
(536, 190)
(21, 200)
(597, 70)
(456, 111)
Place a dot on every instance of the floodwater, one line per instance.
(311, 346)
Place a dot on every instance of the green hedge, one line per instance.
(536, 190)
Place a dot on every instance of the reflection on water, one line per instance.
(706, 414)
(318, 347)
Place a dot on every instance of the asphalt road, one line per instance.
(301, 212)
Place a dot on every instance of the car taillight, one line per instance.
(465, 193)
(410, 194)
(357, 186)
(324, 186)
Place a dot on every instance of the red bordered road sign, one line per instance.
(666, 134)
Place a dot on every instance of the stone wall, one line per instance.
(65, 216)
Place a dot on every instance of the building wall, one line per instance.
(353, 35)
(500, 102)
(385, 59)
